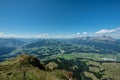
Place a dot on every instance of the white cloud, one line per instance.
(44, 35)
(38, 36)
(78, 34)
(105, 31)
(84, 33)
(4, 35)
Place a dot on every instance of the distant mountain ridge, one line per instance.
(46, 47)
(8, 45)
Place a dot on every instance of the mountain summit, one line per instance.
(27, 67)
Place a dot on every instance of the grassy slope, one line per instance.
(13, 70)
(103, 70)
(58, 69)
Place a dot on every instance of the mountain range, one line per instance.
(103, 46)
(81, 58)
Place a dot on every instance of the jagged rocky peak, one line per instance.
(26, 59)
(104, 37)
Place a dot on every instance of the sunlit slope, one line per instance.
(27, 67)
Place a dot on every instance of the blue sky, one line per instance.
(59, 17)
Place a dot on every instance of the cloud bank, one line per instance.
(111, 32)
(84, 33)
(106, 31)
(4, 35)
(76, 34)
(44, 35)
